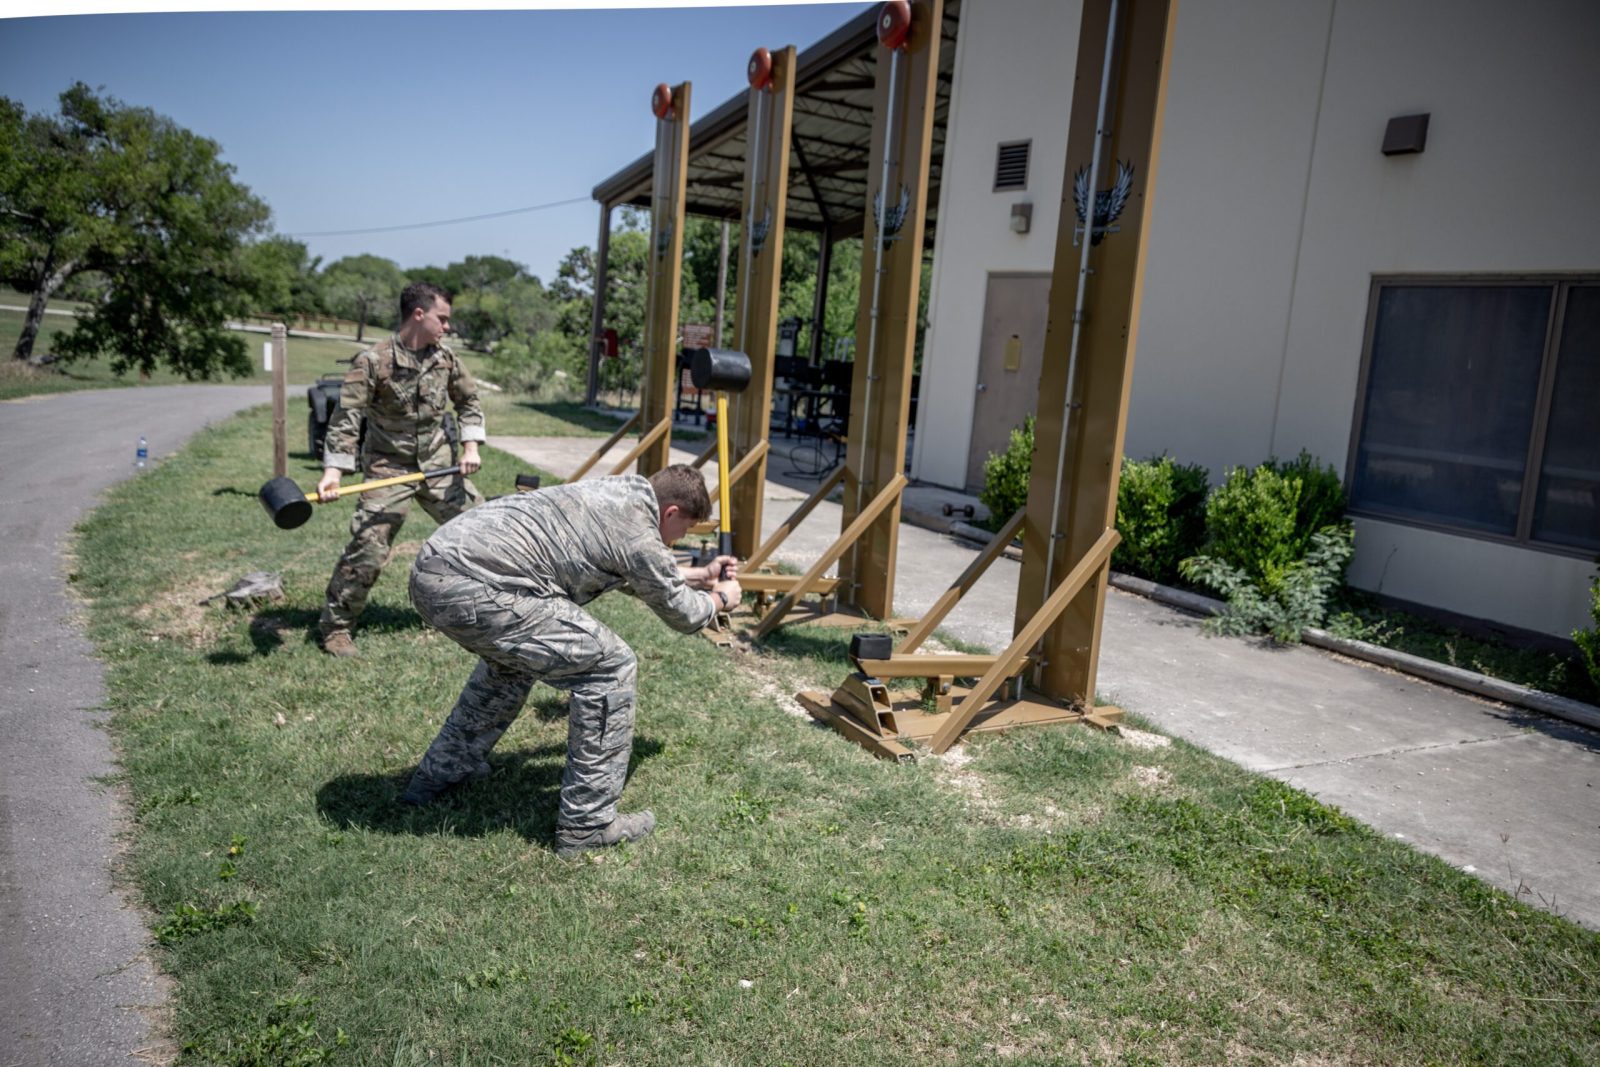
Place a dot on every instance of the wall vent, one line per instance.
(1011, 166)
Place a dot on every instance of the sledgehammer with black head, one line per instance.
(290, 506)
(725, 371)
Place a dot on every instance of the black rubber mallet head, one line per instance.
(290, 506)
(726, 371)
(721, 369)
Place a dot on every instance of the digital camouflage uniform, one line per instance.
(401, 396)
(506, 582)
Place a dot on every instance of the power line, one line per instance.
(441, 222)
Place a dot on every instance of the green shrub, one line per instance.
(1262, 520)
(1250, 523)
(544, 364)
(1589, 640)
(1005, 476)
(1321, 496)
(1297, 600)
(1160, 515)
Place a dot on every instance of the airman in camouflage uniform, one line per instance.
(399, 389)
(507, 582)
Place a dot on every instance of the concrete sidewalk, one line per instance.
(1511, 796)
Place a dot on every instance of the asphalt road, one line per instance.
(76, 983)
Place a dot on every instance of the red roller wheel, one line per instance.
(661, 101)
(894, 23)
(760, 69)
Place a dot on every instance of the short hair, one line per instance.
(420, 295)
(684, 486)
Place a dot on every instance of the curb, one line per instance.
(1574, 711)
(1440, 673)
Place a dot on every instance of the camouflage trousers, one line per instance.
(373, 529)
(522, 639)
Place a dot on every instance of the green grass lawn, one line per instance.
(1062, 896)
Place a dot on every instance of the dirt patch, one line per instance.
(1143, 739)
(179, 614)
(1151, 777)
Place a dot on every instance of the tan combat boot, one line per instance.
(340, 644)
(571, 840)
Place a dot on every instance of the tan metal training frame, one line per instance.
(1069, 521)
(891, 273)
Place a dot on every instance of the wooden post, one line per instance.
(1089, 345)
(664, 277)
(886, 324)
(280, 401)
(755, 327)
(597, 321)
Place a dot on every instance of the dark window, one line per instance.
(1011, 166)
(1567, 511)
(1481, 410)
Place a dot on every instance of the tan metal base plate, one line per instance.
(916, 725)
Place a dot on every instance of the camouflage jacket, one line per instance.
(401, 395)
(574, 541)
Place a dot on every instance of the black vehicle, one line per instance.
(323, 399)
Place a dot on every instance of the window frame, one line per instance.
(1561, 284)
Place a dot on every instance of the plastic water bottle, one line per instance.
(142, 456)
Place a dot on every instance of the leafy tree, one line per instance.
(797, 295)
(365, 288)
(283, 277)
(519, 307)
(573, 290)
(146, 206)
(485, 272)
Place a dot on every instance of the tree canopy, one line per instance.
(364, 288)
(151, 209)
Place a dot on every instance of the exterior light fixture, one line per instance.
(1021, 217)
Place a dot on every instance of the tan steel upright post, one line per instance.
(280, 402)
(886, 325)
(665, 273)
(755, 327)
(1089, 344)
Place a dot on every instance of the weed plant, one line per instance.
(1060, 897)
(1588, 639)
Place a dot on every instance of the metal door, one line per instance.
(1015, 311)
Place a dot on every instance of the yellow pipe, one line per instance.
(722, 462)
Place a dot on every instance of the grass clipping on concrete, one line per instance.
(1056, 895)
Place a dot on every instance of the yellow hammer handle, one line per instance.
(724, 520)
(383, 483)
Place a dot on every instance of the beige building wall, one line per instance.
(1013, 82)
(1509, 183)
(1274, 209)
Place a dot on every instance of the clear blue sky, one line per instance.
(356, 120)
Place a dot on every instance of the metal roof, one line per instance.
(829, 148)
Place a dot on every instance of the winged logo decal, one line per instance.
(759, 231)
(890, 222)
(1108, 203)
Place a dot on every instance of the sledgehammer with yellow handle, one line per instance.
(726, 371)
(289, 506)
